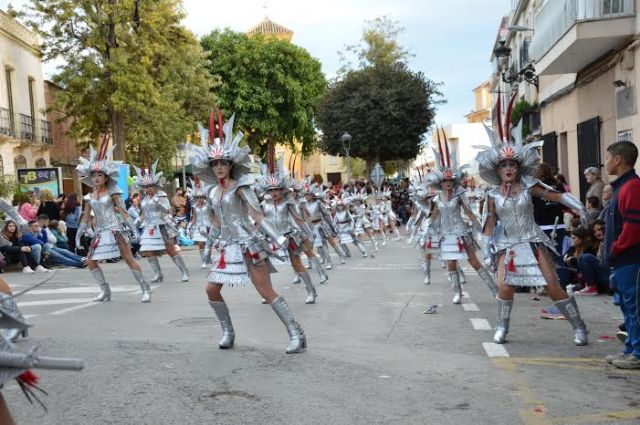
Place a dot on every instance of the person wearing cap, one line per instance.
(594, 178)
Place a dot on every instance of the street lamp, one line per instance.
(346, 144)
(182, 153)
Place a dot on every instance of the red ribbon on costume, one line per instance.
(292, 245)
(153, 229)
(512, 264)
(222, 264)
(28, 378)
(94, 243)
(536, 253)
(460, 245)
(429, 244)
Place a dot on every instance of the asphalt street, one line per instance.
(373, 357)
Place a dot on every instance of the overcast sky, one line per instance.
(451, 40)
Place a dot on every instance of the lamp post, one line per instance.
(346, 144)
(182, 153)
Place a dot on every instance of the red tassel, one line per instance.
(222, 264)
(429, 244)
(29, 378)
(153, 229)
(292, 246)
(460, 245)
(512, 263)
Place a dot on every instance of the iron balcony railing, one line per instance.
(557, 17)
(24, 128)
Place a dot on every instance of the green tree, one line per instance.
(273, 86)
(129, 68)
(385, 108)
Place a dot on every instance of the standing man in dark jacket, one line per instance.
(622, 245)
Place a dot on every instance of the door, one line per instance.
(588, 150)
(550, 150)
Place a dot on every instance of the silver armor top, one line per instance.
(317, 211)
(515, 215)
(202, 218)
(376, 211)
(450, 213)
(105, 210)
(232, 211)
(279, 215)
(343, 221)
(155, 209)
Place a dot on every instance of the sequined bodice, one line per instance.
(155, 208)
(342, 219)
(105, 212)
(278, 215)
(202, 216)
(516, 219)
(450, 211)
(232, 214)
(314, 209)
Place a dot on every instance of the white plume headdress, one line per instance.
(149, 177)
(99, 161)
(446, 163)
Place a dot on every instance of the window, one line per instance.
(616, 7)
(7, 72)
(20, 162)
(32, 105)
(625, 136)
(41, 163)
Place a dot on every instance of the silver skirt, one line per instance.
(522, 267)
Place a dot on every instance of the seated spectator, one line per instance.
(29, 206)
(57, 256)
(61, 237)
(14, 251)
(49, 205)
(580, 245)
(593, 207)
(592, 272)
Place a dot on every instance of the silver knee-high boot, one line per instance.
(324, 253)
(296, 279)
(9, 304)
(154, 262)
(222, 313)
(362, 249)
(486, 277)
(345, 249)
(463, 278)
(569, 309)
(457, 289)
(341, 253)
(105, 295)
(374, 242)
(204, 259)
(311, 290)
(144, 285)
(397, 232)
(184, 271)
(426, 266)
(322, 274)
(502, 325)
(297, 339)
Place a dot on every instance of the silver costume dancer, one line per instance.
(422, 230)
(324, 231)
(520, 248)
(344, 223)
(200, 221)
(237, 223)
(113, 230)
(375, 214)
(280, 210)
(158, 232)
(362, 223)
(388, 216)
(456, 242)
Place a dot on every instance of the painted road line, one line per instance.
(480, 324)
(381, 268)
(465, 294)
(74, 308)
(495, 350)
(54, 302)
(82, 290)
(470, 307)
(29, 316)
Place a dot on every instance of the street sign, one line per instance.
(377, 175)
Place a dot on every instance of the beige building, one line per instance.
(481, 104)
(582, 54)
(25, 139)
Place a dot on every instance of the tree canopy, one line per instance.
(386, 109)
(273, 86)
(134, 72)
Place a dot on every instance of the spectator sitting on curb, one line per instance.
(593, 273)
(61, 238)
(622, 245)
(58, 256)
(15, 251)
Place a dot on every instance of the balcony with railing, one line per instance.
(570, 34)
(24, 129)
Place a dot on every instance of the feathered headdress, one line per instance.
(359, 195)
(225, 146)
(198, 189)
(149, 176)
(273, 173)
(446, 163)
(507, 145)
(99, 161)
